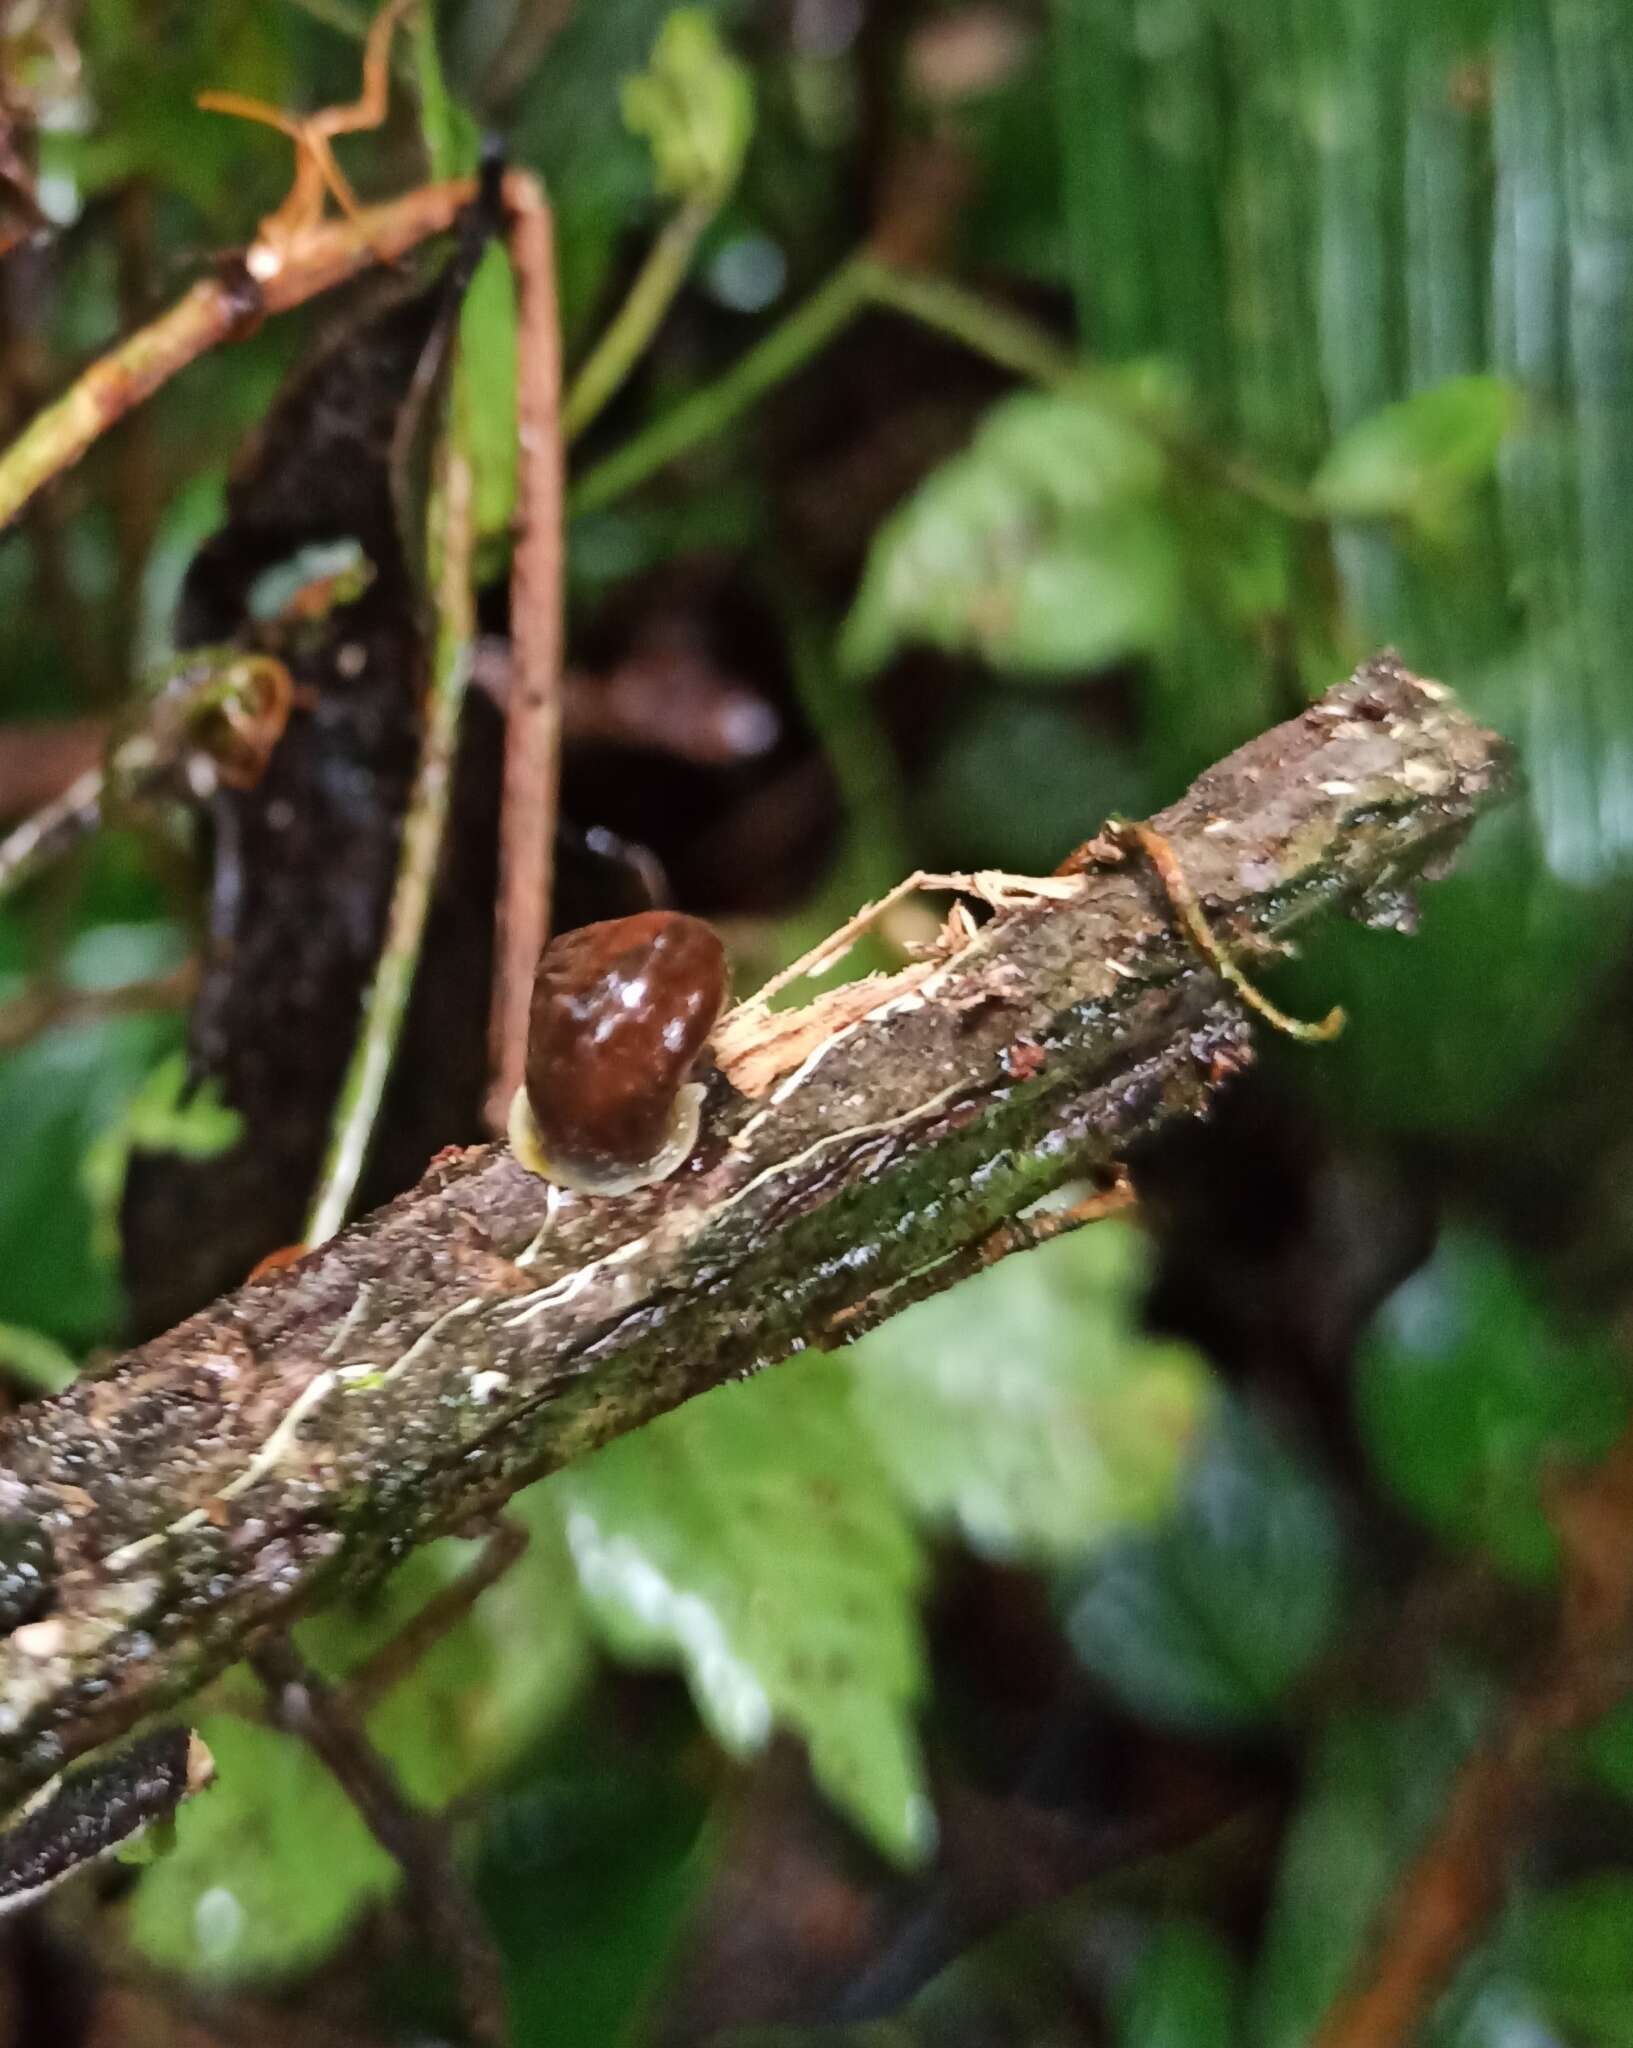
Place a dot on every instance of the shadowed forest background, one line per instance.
(981, 417)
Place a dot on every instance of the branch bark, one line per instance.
(303, 1433)
(217, 309)
(1449, 1893)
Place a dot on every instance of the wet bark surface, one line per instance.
(304, 1432)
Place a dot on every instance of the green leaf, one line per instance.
(1470, 1393)
(1576, 1950)
(449, 132)
(487, 366)
(1043, 548)
(162, 1116)
(57, 1095)
(488, 1687)
(1208, 1622)
(269, 1869)
(694, 105)
(590, 1876)
(35, 1363)
(240, 1897)
(1376, 1787)
(1184, 1992)
(1024, 1407)
(751, 1538)
(1415, 459)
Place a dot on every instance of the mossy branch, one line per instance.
(302, 1434)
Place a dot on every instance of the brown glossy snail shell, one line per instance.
(621, 1012)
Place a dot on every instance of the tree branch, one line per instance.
(1447, 1896)
(417, 1843)
(217, 309)
(303, 1433)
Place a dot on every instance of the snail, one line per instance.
(621, 1012)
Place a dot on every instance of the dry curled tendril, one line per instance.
(316, 172)
(1165, 863)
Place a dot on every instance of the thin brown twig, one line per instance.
(51, 1004)
(39, 760)
(42, 839)
(1448, 1895)
(365, 1687)
(305, 1706)
(533, 722)
(215, 702)
(316, 171)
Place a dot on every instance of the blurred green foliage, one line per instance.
(1042, 548)
(1342, 294)
(749, 1537)
(694, 107)
(1375, 1785)
(1211, 1620)
(1471, 1396)
(769, 1541)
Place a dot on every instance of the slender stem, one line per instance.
(339, 15)
(211, 312)
(1446, 1897)
(1018, 344)
(216, 309)
(387, 1667)
(41, 840)
(354, 22)
(528, 807)
(436, 110)
(452, 541)
(1005, 338)
(417, 1843)
(862, 280)
(215, 700)
(49, 1005)
(710, 411)
(636, 321)
(845, 720)
(1008, 339)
